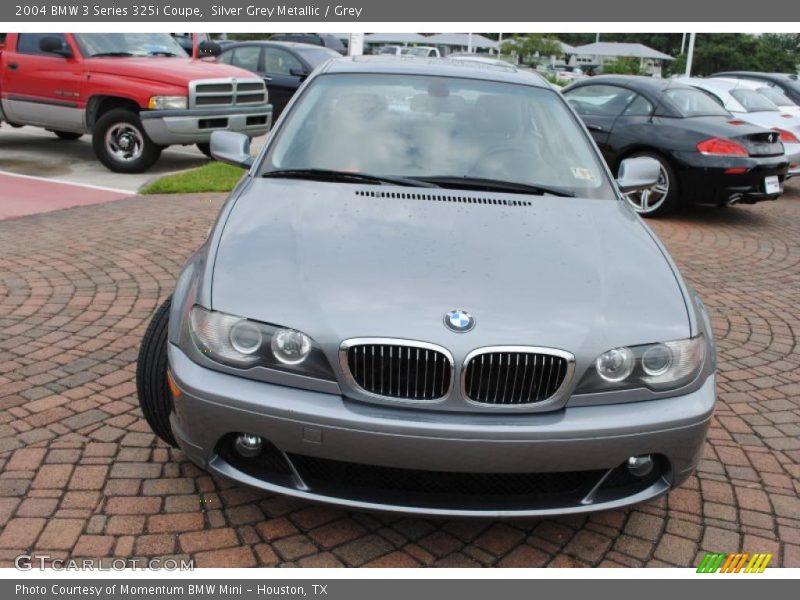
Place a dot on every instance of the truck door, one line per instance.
(43, 88)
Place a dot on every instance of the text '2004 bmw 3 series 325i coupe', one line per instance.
(428, 296)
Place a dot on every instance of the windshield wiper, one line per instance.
(112, 54)
(496, 185)
(346, 176)
(161, 53)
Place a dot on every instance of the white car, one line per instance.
(775, 94)
(750, 106)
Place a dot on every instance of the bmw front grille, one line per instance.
(399, 369)
(514, 375)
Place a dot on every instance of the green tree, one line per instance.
(531, 48)
(742, 52)
(623, 65)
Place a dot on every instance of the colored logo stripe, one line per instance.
(733, 563)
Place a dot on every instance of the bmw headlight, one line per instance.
(662, 366)
(167, 102)
(241, 343)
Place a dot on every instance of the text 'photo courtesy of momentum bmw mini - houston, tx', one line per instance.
(428, 295)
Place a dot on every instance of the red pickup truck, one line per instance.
(135, 93)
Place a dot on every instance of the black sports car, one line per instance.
(282, 65)
(707, 156)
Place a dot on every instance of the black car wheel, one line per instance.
(660, 199)
(121, 143)
(152, 387)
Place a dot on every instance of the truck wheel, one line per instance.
(121, 143)
(68, 135)
(205, 148)
(155, 397)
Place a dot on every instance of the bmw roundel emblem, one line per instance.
(459, 321)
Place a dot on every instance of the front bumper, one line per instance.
(308, 426)
(194, 126)
(705, 180)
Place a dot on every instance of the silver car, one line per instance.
(428, 296)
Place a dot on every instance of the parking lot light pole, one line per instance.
(690, 55)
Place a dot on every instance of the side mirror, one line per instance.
(209, 48)
(232, 148)
(298, 72)
(636, 174)
(54, 45)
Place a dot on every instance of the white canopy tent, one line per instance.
(463, 41)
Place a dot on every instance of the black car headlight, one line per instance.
(659, 367)
(243, 344)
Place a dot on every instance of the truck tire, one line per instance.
(68, 135)
(155, 397)
(121, 143)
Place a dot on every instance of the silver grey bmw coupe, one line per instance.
(428, 296)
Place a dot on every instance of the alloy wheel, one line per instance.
(124, 141)
(650, 200)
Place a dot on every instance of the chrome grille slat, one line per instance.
(227, 92)
(398, 369)
(506, 377)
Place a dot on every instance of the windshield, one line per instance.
(128, 44)
(752, 101)
(694, 103)
(316, 55)
(777, 97)
(421, 126)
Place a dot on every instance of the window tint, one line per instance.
(753, 101)
(695, 103)
(247, 57)
(640, 107)
(28, 43)
(600, 100)
(280, 62)
(226, 57)
(316, 56)
(776, 96)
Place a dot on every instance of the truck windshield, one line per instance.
(128, 44)
(442, 129)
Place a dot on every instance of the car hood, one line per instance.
(164, 69)
(330, 259)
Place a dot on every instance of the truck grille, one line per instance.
(399, 369)
(513, 377)
(211, 93)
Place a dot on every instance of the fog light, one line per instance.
(640, 466)
(248, 445)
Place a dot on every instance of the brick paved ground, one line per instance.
(81, 475)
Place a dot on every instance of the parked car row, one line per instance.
(717, 141)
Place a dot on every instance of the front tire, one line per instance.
(121, 143)
(68, 135)
(662, 198)
(155, 397)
